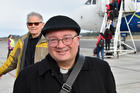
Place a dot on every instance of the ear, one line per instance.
(43, 24)
(78, 37)
(78, 40)
(27, 26)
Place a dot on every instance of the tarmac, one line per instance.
(126, 69)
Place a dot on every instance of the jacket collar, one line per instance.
(42, 40)
(49, 64)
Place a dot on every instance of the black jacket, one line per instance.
(45, 77)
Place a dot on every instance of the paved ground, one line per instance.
(126, 69)
(7, 81)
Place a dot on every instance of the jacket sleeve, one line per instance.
(109, 80)
(98, 40)
(11, 63)
(20, 85)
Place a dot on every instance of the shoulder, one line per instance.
(23, 37)
(95, 66)
(95, 63)
(42, 42)
(43, 38)
(33, 70)
(94, 60)
(19, 42)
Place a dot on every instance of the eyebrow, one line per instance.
(63, 36)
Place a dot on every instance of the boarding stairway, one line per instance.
(119, 44)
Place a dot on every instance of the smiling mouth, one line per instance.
(33, 29)
(62, 51)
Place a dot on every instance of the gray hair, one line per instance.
(34, 14)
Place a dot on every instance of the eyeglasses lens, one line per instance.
(66, 41)
(35, 23)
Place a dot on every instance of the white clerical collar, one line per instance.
(64, 71)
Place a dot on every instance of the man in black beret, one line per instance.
(64, 70)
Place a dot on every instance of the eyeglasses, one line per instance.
(33, 23)
(53, 42)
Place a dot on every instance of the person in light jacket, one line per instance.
(30, 48)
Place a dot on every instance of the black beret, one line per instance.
(60, 22)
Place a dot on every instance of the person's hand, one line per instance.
(0, 76)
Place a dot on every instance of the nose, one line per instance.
(33, 25)
(60, 44)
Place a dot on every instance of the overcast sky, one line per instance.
(13, 13)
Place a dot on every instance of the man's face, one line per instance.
(63, 50)
(35, 26)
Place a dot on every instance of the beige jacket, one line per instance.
(17, 56)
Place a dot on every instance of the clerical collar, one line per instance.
(64, 71)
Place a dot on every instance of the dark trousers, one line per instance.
(107, 44)
(9, 51)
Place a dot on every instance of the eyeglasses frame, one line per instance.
(58, 40)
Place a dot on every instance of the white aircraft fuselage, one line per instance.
(90, 15)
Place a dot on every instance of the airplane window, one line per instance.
(136, 0)
(94, 2)
(132, 0)
(88, 2)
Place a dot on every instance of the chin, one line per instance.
(61, 60)
(34, 33)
